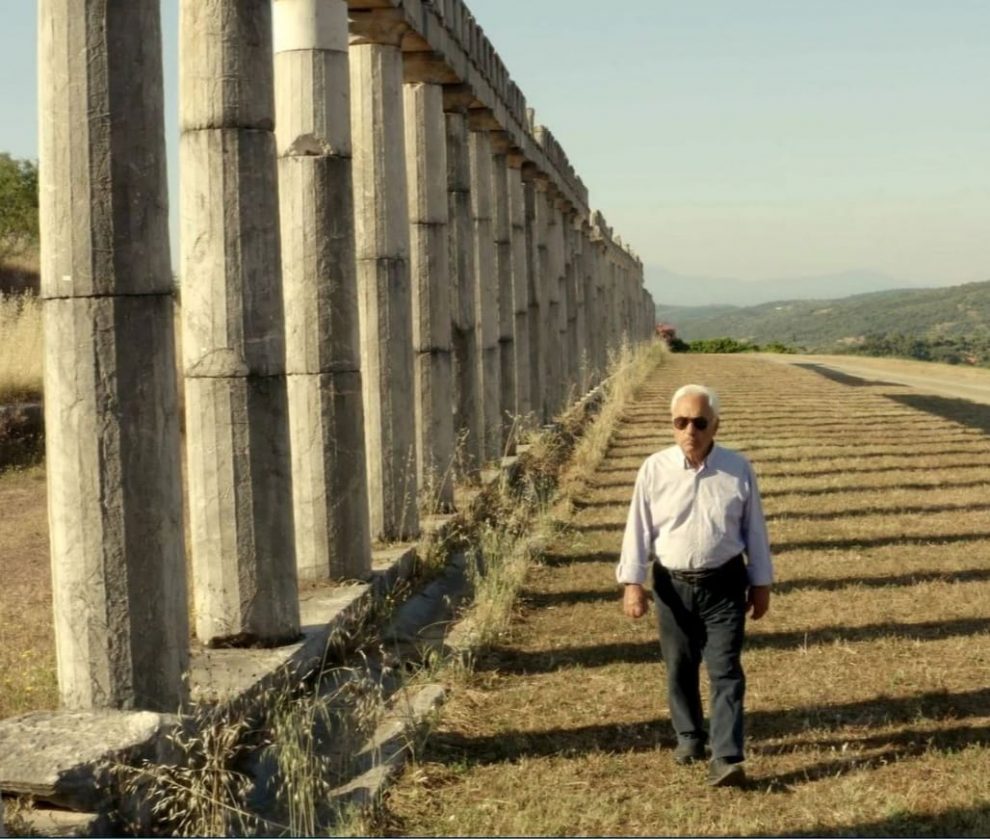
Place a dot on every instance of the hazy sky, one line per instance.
(745, 138)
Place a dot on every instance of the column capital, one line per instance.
(482, 119)
(426, 68)
(501, 142)
(516, 158)
(457, 97)
(377, 26)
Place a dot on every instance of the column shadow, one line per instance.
(971, 414)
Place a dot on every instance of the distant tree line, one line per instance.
(727, 345)
(971, 350)
(18, 206)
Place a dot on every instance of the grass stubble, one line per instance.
(868, 691)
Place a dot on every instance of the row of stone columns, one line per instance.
(375, 281)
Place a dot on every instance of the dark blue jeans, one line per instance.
(700, 621)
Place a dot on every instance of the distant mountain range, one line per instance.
(961, 311)
(672, 289)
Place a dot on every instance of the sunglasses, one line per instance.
(700, 423)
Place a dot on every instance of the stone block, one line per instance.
(380, 191)
(491, 404)
(435, 427)
(431, 287)
(61, 756)
(329, 480)
(103, 195)
(426, 151)
(226, 68)
(312, 97)
(240, 500)
(318, 274)
(385, 305)
(118, 567)
(304, 25)
(232, 310)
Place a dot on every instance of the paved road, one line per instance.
(946, 380)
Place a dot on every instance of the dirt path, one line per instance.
(868, 699)
(946, 380)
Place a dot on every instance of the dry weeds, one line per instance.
(21, 339)
(868, 702)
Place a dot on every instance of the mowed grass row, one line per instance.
(869, 681)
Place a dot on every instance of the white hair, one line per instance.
(695, 390)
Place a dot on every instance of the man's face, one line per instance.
(693, 441)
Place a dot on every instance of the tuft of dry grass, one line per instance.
(27, 642)
(868, 709)
(21, 338)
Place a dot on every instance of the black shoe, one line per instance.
(721, 773)
(689, 751)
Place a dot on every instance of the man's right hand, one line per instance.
(635, 601)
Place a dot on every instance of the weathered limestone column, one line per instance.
(540, 308)
(111, 415)
(554, 275)
(502, 231)
(486, 282)
(382, 229)
(323, 360)
(579, 336)
(426, 150)
(570, 356)
(239, 471)
(521, 266)
(464, 333)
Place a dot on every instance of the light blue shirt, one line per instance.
(694, 519)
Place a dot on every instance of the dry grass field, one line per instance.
(869, 681)
(20, 348)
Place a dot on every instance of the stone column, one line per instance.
(554, 278)
(426, 151)
(579, 335)
(521, 265)
(486, 283)
(239, 471)
(323, 360)
(540, 308)
(464, 333)
(111, 415)
(502, 231)
(382, 229)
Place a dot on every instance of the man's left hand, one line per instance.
(758, 601)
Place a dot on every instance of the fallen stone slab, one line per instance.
(44, 821)
(390, 746)
(61, 756)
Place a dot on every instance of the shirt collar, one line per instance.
(704, 463)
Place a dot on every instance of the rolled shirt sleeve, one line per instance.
(759, 565)
(637, 541)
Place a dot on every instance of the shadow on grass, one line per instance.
(974, 463)
(846, 378)
(647, 735)
(971, 414)
(519, 662)
(880, 542)
(860, 512)
(978, 446)
(859, 488)
(956, 821)
(559, 559)
(544, 599)
(970, 575)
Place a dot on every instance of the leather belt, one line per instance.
(702, 575)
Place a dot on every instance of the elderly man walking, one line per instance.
(696, 517)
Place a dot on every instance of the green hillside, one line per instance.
(932, 314)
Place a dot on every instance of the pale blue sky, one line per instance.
(745, 138)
